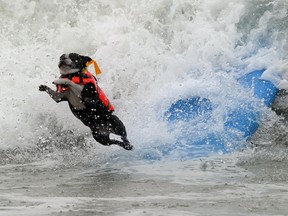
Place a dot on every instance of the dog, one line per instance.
(86, 100)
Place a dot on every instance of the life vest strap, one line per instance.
(96, 67)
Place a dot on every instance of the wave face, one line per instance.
(151, 54)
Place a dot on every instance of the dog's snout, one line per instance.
(65, 61)
(61, 63)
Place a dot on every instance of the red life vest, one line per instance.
(85, 79)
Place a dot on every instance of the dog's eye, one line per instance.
(74, 56)
(63, 57)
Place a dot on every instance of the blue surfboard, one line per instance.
(240, 123)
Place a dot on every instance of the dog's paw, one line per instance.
(127, 146)
(43, 88)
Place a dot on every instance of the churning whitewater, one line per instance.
(151, 53)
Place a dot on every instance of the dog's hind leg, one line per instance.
(103, 138)
(118, 128)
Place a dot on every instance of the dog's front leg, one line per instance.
(56, 96)
(76, 89)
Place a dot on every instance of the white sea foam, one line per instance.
(151, 54)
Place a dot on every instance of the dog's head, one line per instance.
(72, 63)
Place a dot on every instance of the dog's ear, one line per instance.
(75, 58)
(83, 62)
(86, 59)
(79, 60)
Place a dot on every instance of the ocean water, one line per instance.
(151, 53)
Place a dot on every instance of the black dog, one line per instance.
(86, 100)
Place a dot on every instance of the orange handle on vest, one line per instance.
(96, 67)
